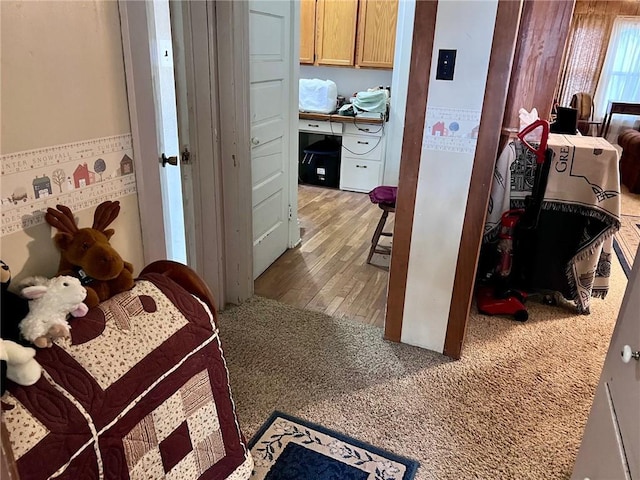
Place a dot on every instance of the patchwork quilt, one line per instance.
(141, 391)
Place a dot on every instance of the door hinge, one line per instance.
(185, 157)
(290, 213)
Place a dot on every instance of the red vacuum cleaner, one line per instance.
(503, 294)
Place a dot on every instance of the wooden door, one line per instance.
(611, 445)
(270, 83)
(307, 31)
(377, 33)
(336, 32)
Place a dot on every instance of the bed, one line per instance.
(141, 391)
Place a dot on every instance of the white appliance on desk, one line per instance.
(362, 155)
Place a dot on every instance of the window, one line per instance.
(620, 77)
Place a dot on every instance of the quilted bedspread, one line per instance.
(141, 391)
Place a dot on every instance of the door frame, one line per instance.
(498, 77)
(218, 254)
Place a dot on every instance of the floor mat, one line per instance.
(288, 448)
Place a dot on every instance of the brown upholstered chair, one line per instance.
(584, 104)
(629, 140)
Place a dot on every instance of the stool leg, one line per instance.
(376, 234)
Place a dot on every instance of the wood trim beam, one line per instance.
(231, 51)
(493, 107)
(418, 88)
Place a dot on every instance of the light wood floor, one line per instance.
(328, 271)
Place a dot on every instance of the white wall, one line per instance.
(349, 80)
(62, 82)
(400, 81)
(444, 176)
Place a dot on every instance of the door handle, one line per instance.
(628, 354)
(170, 160)
(255, 141)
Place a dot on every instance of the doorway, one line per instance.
(328, 271)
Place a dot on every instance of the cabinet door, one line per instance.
(377, 33)
(359, 175)
(336, 32)
(307, 30)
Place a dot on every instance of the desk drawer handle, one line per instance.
(312, 125)
(361, 166)
(364, 129)
(363, 143)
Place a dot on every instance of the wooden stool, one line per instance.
(386, 208)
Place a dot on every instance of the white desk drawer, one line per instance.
(320, 126)
(369, 147)
(359, 175)
(363, 129)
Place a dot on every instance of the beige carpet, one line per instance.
(514, 407)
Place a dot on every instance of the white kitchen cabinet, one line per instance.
(368, 147)
(362, 157)
(319, 126)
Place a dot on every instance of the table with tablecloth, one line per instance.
(580, 213)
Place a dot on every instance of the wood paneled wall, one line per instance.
(608, 7)
(544, 28)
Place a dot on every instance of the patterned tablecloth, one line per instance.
(580, 210)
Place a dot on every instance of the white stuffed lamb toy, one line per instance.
(21, 366)
(50, 303)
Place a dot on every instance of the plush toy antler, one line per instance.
(105, 214)
(87, 254)
(63, 219)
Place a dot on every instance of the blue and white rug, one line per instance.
(288, 448)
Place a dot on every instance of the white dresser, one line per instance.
(363, 148)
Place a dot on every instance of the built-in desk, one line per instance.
(363, 146)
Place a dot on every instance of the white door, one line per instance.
(149, 75)
(167, 126)
(610, 448)
(270, 85)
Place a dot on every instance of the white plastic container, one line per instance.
(317, 96)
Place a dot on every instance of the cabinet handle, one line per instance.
(364, 129)
(363, 143)
(361, 166)
(311, 125)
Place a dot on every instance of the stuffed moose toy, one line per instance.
(85, 253)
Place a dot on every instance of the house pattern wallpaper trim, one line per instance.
(79, 175)
(451, 130)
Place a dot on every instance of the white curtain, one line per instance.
(586, 50)
(620, 76)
